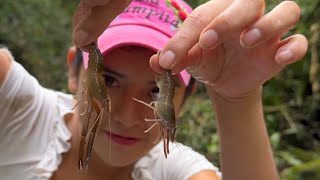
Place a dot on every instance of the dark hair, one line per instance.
(189, 89)
(77, 61)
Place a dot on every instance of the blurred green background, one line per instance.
(39, 34)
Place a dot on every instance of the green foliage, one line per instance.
(196, 126)
(39, 33)
(305, 165)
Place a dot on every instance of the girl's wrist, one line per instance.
(250, 97)
(219, 100)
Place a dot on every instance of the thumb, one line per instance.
(188, 61)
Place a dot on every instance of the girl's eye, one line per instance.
(154, 92)
(110, 81)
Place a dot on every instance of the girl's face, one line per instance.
(127, 74)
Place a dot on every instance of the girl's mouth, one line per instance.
(122, 140)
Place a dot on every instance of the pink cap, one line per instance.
(146, 23)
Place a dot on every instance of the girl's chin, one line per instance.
(119, 162)
(118, 158)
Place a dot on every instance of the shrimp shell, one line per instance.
(164, 109)
(97, 99)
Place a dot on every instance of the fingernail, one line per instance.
(166, 59)
(251, 37)
(208, 39)
(283, 56)
(80, 37)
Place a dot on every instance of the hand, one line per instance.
(234, 48)
(91, 18)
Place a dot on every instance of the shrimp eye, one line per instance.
(154, 92)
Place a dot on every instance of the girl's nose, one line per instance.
(128, 112)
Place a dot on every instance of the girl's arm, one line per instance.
(4, 63)
(244, 144)
(235, 49)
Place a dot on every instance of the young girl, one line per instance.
(37, 124)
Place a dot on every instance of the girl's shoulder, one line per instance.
(32, 128)
(59, 142)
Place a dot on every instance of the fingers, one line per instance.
(93, 3)
(292, 50)
(188, 34)
(92, 17)
(83, 8)
(214, 22)
(279, 20)
(154, 64)
(235, 18)
(192, 59)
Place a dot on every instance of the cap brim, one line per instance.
(144, 36)
(122, 35)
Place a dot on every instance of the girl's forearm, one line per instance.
(244, 145)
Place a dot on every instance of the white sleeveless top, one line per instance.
(33, 135)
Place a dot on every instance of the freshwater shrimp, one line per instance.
(97, 98)
(164, 109)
